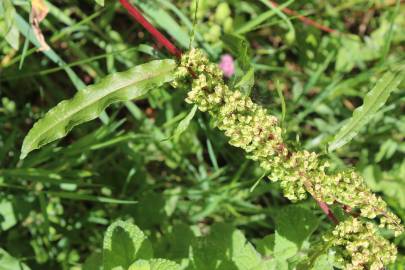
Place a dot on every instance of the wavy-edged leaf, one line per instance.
(88, 103)
(372, 102)
(124, 243)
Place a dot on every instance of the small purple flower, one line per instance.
(227, 65)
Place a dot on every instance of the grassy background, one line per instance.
(56, 204)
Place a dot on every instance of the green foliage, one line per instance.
(8, 28)
(124, 243)
(194, 190)
(88, 103)
(239, 46)
(8, 262)
(184, 123)
(373, 101)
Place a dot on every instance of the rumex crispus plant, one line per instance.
(188, 196)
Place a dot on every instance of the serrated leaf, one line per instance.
(124, 243)
(154, 264)
(372, 102)
(88, 103)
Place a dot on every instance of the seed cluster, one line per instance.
(359, 246)
(250, 127)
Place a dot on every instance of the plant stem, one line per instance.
(304, 19)
(176, 52)
(325, 208)
(150, 28)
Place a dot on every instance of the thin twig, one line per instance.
(304, 19)
(150, 28)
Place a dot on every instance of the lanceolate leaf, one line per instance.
(88, 103)
(372, 102)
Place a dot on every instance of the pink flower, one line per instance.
(227, 65)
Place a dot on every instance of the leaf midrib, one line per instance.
(91, 103)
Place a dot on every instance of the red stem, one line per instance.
(150, 28)
(325, 208)
(176, 52)
(304, 19)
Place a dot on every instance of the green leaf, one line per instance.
(324, 262)
(164, 20)
(7, 262)
(183, 125)
(8, 28)
(293, 225)
(100, 2)
(246, 82)
(257, 20)
(225, 248)
(124, 243)
(239, 46)
(86, 197)
(88, 103)
(363, 114)
(154, 264)
(7, 216)
(94, 262)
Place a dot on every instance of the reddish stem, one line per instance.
(150, 28)
(325, 208)
(176, 52)
(304, 19)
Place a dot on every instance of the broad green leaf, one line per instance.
(324, 262)
(88, 103)
(154, 264)
(293, 225)
(372, 102)
(8, 28)
(7, 262)
(124, 243)
(225, 248)
(94, 262)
